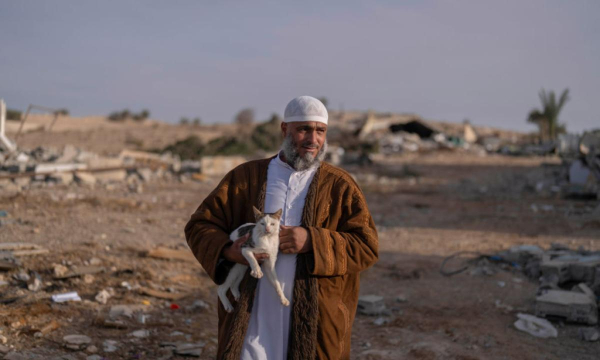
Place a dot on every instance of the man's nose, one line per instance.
(312, 137)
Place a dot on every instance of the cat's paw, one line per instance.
(285, 302)
(236, 294)
(228, 307)
(257, 274)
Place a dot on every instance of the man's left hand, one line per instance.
(294, 240)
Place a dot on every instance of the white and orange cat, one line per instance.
(264, 238)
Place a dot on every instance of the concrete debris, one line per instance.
(81, 271)
(70, 296)
(162, 294)
(185, 349)
(535, 326)
(372, 305)
(570, 305)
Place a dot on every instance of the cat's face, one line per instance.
(268, 222)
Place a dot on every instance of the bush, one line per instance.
(190, 148)
(123, 115)
(63, 112)
(267, 136)
(12, 114)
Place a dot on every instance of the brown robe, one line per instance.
(326, 286)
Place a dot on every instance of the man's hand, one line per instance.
(294, 240)
(233, 252)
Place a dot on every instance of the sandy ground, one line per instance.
(436, 204)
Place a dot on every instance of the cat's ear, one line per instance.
(257, 213)
(277, 214)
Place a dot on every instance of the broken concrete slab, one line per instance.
(573, 306)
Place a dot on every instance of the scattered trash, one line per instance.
(535, 326)
(174, 307)
(70, 296)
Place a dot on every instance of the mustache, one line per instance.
(310, 145)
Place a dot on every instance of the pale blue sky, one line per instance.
(445, 60)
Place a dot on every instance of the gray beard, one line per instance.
(300, 163)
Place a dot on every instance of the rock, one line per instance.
(85, 178)
(589, 334)
(188, 349)
(95, 261)
(198, 304)
(381, 321)
(88, 278)
(22, 276)
(35, 283)
(372, 305)
(535, 326)
(401, 298)
(4, 349)
(103, 297)
(145, 174)
(140, 333)
(124, 310)
(94, 357)
(110, 346)
(91, 349)
(76, 342)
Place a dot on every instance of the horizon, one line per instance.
(444, 62)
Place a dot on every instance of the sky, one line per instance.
(485, 61)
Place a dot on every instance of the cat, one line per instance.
(264, 238)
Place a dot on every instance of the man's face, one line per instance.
(308, 136)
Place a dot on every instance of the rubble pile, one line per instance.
(569, 281)
(46, 167)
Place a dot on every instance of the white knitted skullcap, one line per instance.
(305, 108)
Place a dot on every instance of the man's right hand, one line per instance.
(233, 252)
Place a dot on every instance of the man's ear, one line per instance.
(257, 213)
(284, 128)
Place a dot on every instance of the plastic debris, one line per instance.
(70, 296)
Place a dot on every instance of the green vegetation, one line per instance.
(120, 116)
(547, 118)
(12, 114)
(265, 137)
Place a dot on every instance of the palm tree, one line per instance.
(547, 118)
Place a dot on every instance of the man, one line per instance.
(327, 237)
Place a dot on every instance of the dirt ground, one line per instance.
(426, 207)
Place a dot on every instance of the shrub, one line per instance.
(12, 114)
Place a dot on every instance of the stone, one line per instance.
(188, 349)
(140, 333)
(85, 178)
(102, 297)
(145, 174)
(95, 261)
(91, 349)
(372, 305)
(535, 326)
(94, 357)
(76, 342)
(110, 346)
(124, 310)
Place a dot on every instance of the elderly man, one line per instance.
(327, 237)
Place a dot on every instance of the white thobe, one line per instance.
(269, 327)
